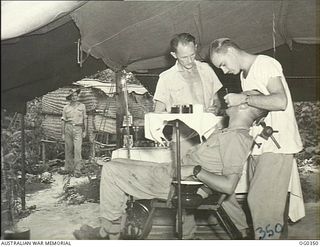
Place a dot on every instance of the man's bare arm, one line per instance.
(222, 183)
(275, 101)
(159, 106)
(62, 129)
(216, 105)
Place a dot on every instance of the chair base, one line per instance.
(136, 228)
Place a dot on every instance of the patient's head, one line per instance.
(245, 112)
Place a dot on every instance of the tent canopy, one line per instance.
(135, 36)
(140, 37)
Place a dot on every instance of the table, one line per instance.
(203, 123)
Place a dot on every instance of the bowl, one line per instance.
(188, 187)
(189, 196)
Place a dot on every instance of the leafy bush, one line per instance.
(308, 160)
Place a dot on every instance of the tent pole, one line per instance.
(23, 160)
(120, 108)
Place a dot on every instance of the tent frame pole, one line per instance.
(23, 160)
(120, 108)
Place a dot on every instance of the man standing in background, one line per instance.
(74, 128)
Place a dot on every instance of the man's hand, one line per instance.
(215, 107)
(159, 107)
(186, 171)
(212, 109)
(233, 99)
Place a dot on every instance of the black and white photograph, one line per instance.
(160, 120)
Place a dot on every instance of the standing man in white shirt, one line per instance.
(187, 82)
(271, 166)
(74, 128)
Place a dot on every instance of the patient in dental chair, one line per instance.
(218, 163)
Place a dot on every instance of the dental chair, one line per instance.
(137, 223)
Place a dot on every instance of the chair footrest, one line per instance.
(156, 203)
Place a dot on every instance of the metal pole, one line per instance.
(120, 109)
(178, 154)
(126, 105)
(23, 159)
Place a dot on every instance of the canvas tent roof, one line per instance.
(140, 38)
(135, 35)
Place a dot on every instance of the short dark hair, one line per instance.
(183, 38)
(221, 45)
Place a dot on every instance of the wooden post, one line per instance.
(120, 109)
(23, 159)
(93, 146)
(43, 152)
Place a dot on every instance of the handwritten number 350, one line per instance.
(269, 232)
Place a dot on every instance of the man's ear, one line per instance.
(173, 54)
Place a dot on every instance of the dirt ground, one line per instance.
(56, 220)
(52, 220)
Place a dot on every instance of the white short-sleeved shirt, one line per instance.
(75, 114)
(264, 68)
(172, 88)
